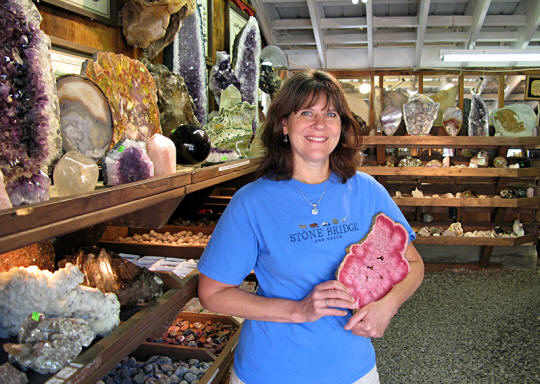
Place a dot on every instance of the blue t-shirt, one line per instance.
(268, 227)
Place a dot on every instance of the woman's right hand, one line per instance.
(324, 300)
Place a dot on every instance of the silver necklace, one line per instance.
(314, 209)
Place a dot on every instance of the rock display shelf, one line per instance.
(467, 202)
(29, 224)
(469, 211)
(149, 249)
(451, 171)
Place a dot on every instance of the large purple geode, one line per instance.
(126, 162)
(29, 123)
(189, 60)
(246, 66)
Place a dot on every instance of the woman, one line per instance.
(292, 226)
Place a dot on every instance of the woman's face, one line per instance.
(313, 132)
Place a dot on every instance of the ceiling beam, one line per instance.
(315, 16)
(369, 22)
(533, 20)
(479, 14)
(401, 22)
(423, 12)
(512, 82)
(264, 21)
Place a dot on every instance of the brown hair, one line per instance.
(304, 89)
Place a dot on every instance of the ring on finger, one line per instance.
(327, 302)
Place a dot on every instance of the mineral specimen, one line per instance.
(452, 120)
(515, 120)
(126, 162)
(48, 345)
(40, 254)
(85, 116)
(246, 63)
(376, 263)
(29, 127)
(29, 190)
(419, 113)
(110, 273)
(75, 174)
(174, 102)
(131, 92)
(152, 25)
(58, 294)
(10, 374)
(478, 117)
(162, 152)
(192, 144)
(222, 75)
(231, 129)
(229, 97)
(5, 203)
(446, 98)
(221, 155)
(189, 60)
(391, 118)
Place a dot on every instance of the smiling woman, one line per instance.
(292, 226)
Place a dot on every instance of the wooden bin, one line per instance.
(223, 360)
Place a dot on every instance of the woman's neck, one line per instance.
(311, 176)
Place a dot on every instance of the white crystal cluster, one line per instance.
(58, 294)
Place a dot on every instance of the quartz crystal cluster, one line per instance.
(29, 125)
(222, 75)
(126, 162)
(48, 345)
(74, 174)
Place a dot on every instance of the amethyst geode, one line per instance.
(29, 123)
(246, 66)
(189, 60)
(126, 162)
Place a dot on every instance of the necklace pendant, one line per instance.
(314, 211)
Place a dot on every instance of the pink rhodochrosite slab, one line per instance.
(376, 263)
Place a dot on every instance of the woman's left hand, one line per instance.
(372, 319)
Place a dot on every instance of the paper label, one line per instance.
(231, 166)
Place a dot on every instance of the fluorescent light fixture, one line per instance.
(487, 55)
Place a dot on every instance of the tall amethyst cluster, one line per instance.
(29, 123)
(246, 66)
(189, 60)
(222, 75)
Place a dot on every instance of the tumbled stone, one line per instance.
(74, 174)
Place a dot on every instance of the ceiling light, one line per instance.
(365, 88)
(363, 1)
(487, 55)
(355, 2)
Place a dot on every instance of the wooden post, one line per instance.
(461, 90)
(485, 254)
(501, 91)
(421, 83)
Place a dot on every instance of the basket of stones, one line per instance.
(216, 334)
(162, 363)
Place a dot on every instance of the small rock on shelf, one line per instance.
(74, 174)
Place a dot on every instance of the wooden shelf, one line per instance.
(183, 251)
(452, 171)
(28, 224)
(478, 241)
(488, 202)
(452, 141)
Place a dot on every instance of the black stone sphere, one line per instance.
(192, 144)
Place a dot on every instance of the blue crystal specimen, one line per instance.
(29, 190)
(126, 162)
(246, 66)
(222, 75)
(29, 122)
(189, 60)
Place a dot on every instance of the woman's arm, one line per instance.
(229, 299)
(373, 319)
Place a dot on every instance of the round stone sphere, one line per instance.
(192, 144)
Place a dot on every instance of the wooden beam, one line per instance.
(423, 12)
(315, 15)
(501, 92)
(479, 14)
(264, 21)
(369, 18)
(533, 20)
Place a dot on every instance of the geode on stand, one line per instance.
(419, 114)
(131, 91)
(189, 60)
(29, 124)
(478, 117)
